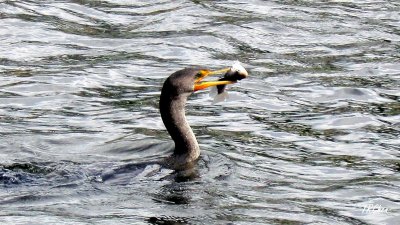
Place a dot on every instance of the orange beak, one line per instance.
(200, 85)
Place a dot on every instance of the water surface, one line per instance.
(312, 137)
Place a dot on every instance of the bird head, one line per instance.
(186, 81)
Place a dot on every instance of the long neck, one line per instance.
(172, 110)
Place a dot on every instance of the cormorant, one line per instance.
(175, 91)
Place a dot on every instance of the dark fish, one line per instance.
(236, 72)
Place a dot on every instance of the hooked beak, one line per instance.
(200, 85)
(236, 69)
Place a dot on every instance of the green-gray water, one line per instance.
(311, 137)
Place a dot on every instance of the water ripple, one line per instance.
(310, 138)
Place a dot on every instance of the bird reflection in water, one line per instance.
(177, 88)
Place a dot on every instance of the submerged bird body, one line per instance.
(175, 91)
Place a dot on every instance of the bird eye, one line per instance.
(198, 75)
